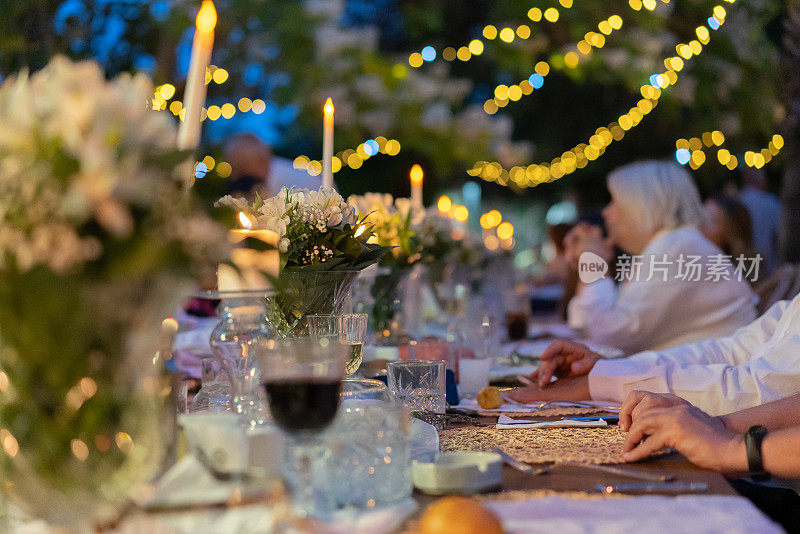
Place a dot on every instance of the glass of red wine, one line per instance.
(302, 378)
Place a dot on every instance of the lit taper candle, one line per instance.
(194, 95)
(416, 186)
(327, 144)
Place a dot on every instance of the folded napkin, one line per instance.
(192, 345)
(504, 422)
(690, 514)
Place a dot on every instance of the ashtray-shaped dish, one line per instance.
(458, 472)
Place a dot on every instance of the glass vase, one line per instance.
(88, 409)
(306, 292)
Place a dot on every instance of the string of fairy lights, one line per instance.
(579, 156)
(691, 152)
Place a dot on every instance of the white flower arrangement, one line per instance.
(314, 227)
(78, 151)
(393, 222)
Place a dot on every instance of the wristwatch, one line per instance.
(752, 442)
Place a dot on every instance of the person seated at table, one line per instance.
(674, 289)
(758, 363)
(725, 443)
(727, 224)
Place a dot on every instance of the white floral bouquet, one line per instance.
(316, 229)
(322, 245)
(96, 234)
(393, 221)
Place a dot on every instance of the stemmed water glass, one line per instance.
(302, 378)
(349, 329)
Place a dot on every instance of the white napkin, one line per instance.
(690, 514)
(504, 422)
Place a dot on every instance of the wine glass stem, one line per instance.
(302, 463)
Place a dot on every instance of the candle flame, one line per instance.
(245, 221)
(328, 109)
(416, 174)
(207, 17)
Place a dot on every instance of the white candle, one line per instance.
(327, 144)
(416, 186)
(194, 96)
(251, 266)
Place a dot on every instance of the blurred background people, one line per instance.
(254, 168)
(765, 212)
(728, 225)
(654, 215)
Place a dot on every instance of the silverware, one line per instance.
(520, 466)
(630, 473)
(638, 475)
(654, 487)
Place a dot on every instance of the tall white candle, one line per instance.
(253, 268)
(416, 185)
(194, 95)
(327, 144)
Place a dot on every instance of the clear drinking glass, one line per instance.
(419, 385)
(302, 378)
(214, 394)
(349, 329)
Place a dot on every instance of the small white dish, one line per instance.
(458, 472)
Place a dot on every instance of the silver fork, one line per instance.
(638, 475)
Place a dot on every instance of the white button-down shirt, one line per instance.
(759, 363)
(664, 306)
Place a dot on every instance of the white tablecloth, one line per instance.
(690, 514)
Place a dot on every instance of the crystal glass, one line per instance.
(233, 341)
(370, 443)
(419, 385)
(349, 329)
(214, 394)
(302, 378)
(307, 292)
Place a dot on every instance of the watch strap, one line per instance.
(752, 441)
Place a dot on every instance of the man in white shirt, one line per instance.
(758, 363)
(677, 287)
(255, 168)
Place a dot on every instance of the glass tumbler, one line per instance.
(419, 385)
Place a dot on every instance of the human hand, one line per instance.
(564, 358)
(585, 237)
(637, 402)
(701, 438)
(567, 389)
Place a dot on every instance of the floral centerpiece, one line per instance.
(322, 246)
(96, 235)
(394, 222)
(453, 259)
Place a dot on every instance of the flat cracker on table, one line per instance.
(540, 445)
(547, 412)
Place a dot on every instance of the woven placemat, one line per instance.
(547, 412)
(540, 445)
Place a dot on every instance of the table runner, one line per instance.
(535, 445)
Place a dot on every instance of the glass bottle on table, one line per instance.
(233, 342)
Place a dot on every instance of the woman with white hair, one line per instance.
(676, 286)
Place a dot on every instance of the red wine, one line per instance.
(303, 404)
